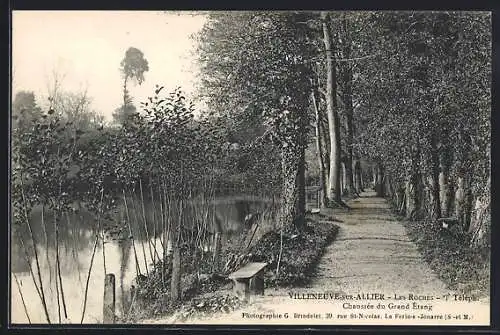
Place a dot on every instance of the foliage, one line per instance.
(254, 74)
(153, 291)
(205, 306)
(463, 269)
(24, 109)
(301, 252)
(43, 170)
(134, 65)
(232, 64)
(420, 83)
(55, 163)
(300, 256)
(426, 100)
(76, 107)
(123, 113)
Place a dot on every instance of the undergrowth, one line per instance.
(463, 269)
(301, 252)
(209, 294)
(153, 291)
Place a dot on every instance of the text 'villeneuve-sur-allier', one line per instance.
(372, 305)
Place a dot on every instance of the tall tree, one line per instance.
(132, 67)
(334, 191)
(254, 67)
(345, 81)
(24, 109)
(319, 147)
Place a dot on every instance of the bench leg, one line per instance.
(241, 289)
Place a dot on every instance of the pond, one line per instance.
(77, 237)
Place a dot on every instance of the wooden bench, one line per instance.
(249, 280)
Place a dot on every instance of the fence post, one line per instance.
(108, 312)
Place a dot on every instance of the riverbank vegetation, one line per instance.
(291, 258)
(464, 270)
(350, 100)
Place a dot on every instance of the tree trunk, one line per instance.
(401, 194)
(322, 172)
(125, 93)
(357, 180)
(435, 191)
(479, 228)
(459, 199)
(325, 139)
(410, 199)
(343, 185)
(293, 172)
(445, 186)
(216, 243)
(361, 178)
(380, 182)
(333, 119)
(301, 189)
(355, 176)
(374, 176)
(348, 108)
(463, 200)
(175, 284)
(389, 187)
(125, 246)
(463, 194)
(349, 176)
(469, 198)
(428, 200)
(413, 188)
(216, 254)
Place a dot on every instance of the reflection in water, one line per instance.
(77, 234)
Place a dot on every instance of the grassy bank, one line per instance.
(460, 267)
(300, 254)
(210, 294)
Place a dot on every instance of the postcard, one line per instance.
(250, 168)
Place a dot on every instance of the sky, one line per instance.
(85, 49)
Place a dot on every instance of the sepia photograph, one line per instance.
(250, 168)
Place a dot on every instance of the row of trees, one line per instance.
(407, 91)
(426, 116)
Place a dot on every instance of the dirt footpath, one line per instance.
(372, 268)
